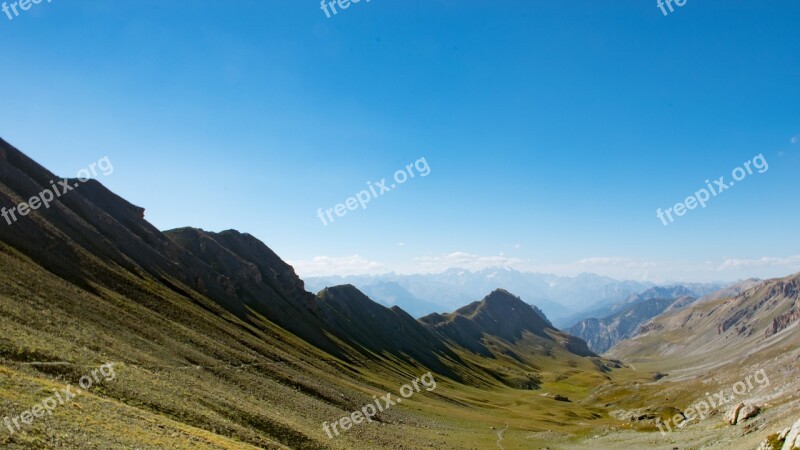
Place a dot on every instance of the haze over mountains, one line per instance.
(556, 296)
(600, 310)
(565, 300)
(217, 343)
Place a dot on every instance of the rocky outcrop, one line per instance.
(576, 345)
(784, 321)
(741, 412)
(792, 440)
(781, 295)
(602, 334)
(788, 439)
(733, 414)
(748, 412)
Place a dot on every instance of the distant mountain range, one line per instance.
(611, 307)
(565, 300)
(446, 291)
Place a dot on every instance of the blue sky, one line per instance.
(553, 130)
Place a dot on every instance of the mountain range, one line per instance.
(89, 281)
(217, 343)
(622, 320)
(565, 300)
(423, 294)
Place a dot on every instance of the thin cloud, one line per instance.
(464, 260)
(623, 268)
(791, 263)
(627, 263)
(620, 268)
(345, 265)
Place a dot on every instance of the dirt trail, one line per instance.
(500, 437)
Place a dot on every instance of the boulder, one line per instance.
(733, 414)
(741, 412)
(747, 412)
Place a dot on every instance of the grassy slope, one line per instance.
(126, 294)
(187, 378)
(690, 347)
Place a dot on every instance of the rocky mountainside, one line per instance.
(216, 339)
(755, 318)
(603, 334)
(613, 306)
(217, 343)
(732, 290)
(720, 345)
(503, 316)
(391, 294)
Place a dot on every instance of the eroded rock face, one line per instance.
(603, 334)
(786, 320)
(788, 439)
(777, 439)
(792, 440)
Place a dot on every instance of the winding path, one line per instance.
(500, 437)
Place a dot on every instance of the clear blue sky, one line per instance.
(553, 130)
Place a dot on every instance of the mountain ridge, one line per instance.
(216, 341)
(233, 269)
(449, 290)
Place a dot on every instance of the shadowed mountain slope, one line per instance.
(390, 294)
(270, 287)
(503, 316)
(385, 331)
(216, 341)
